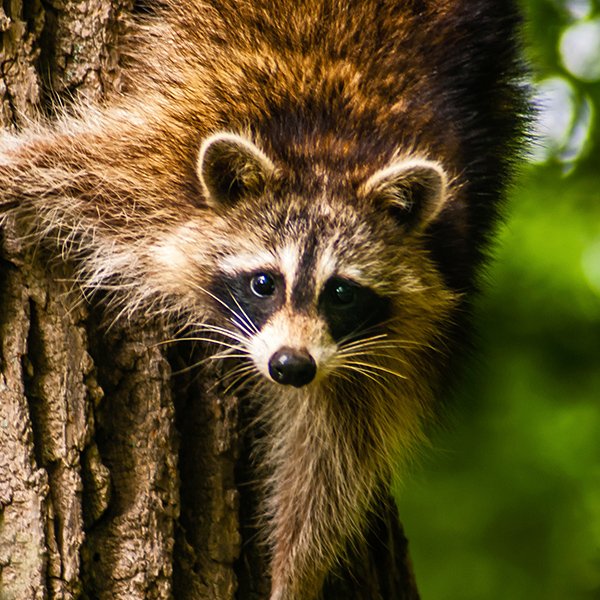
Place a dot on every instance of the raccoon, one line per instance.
(311, 185)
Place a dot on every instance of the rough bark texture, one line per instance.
(119, 479)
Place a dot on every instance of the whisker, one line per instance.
(373, 346)
(378, 368)
(245, 325)
(394, 357)
(222, 330)
(349, 378)
(210, 294)
(368, 352)
(240, 366)
(236, 322)
(381, 343)
(375, 377)
(247, 318)
(241, 374)
(204, 328)
(382, 336)
(227, 354)
(350, 341)
(203, 339)
(191, 367)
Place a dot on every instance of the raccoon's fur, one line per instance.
(315, 182)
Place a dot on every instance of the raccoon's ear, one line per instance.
(230, 167)
(414, 190)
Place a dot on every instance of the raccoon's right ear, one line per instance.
(414, 190)
(230, 167)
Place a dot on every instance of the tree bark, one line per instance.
(123, 473)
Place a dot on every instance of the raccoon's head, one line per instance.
(307, 276)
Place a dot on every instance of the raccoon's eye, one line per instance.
(262, 285)
(342, 293)
(350, 308)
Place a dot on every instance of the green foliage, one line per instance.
(509, 505)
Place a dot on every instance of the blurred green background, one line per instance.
(507, 505)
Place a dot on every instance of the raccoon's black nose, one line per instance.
(292, 367)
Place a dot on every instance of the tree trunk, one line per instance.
(123, 474)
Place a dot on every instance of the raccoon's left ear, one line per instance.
(230, 167)
(414, 190)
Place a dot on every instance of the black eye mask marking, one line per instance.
(252, 297)
(350, 308)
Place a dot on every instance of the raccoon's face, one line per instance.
(306, 281)
(296, 306)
